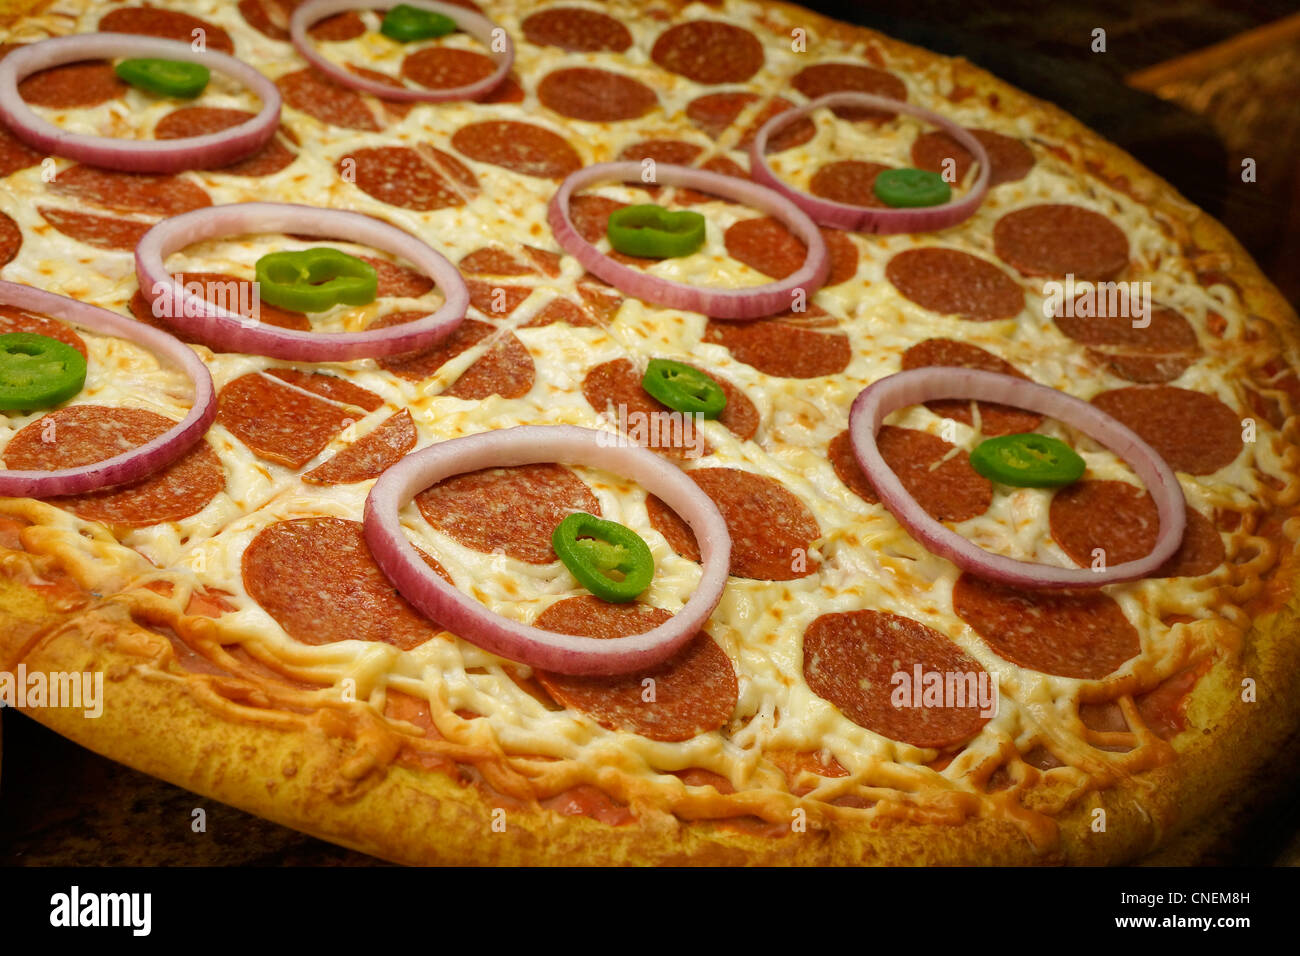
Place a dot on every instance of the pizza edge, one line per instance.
(309, 780)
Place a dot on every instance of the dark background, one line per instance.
(60, 804)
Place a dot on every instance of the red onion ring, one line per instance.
(479, 27)
(927, 384)
(139, 156)
(750, 303)
(138, 462)
(220, 328)
(533, 444)
(840, 215)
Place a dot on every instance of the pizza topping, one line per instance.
(315, 280)
(167, 24)
(519, 147)
(317, 578)
(11, 239)
(993, 419)
(1058, 239)
(85, 434)
(783, 348)
(848, 181)
(369, 457)
(150, 156)
(695, 689)
(104, 232)
(199, 120)
(576, 30)
(709, 51)
(130, 192)
(72, 86)
(327, 101)
(821, 79)
(14, 155)
(1156, 349)
(654, 232)
(421, 178)
(1080, 635)
(714, 113)
(1028, 460)
(880, 669)
(955, 283)
(720, 303)
(1009, 159)
(771, 530)
(828, 212)
(908, 188)
(511, 511)
(37, 371)
(531, 445)
(445, 68)
(594, 95)
(164, 77)
(405, 23)
(479, 27)
(16, 320)
(683, 388)
(1114, 521)
(505, 369)
(128, 463)
(942, 483)
(1192, 431)
(230, 331)
(284, 422)
(907, 388)
(768, 246)
(591, 548)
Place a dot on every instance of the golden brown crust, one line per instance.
(325, 783)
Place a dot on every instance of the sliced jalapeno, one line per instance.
(594, 550)
(315, 280)
(684, 389)
(654, 232)
(1027, 460)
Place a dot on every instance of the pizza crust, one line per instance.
(306, 774)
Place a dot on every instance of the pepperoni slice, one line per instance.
(714, 113)
(822, 78)
(168, 24)
(848, 181)
(495, 261)
(782, 348)
(614, 389)
(1009, 159)
(852, 660)
(369, 457)
(560, 310)
(322, 98)
(281, 422)
(317, 578)
(681, 153)
(505, 369)
(1191, 431)
(217, 289)
(105, 232)
(1070, 634)
(421, 179)
(576, 30)
(768, 246)
(1160, 352)
(442, 68)
(496, 300)
(595, 95)
(955, 283)
(271, 18)
(771, 529)
(11, 239)
(995, 419)
(1121, 520)
(519, 147)
(200, 120)
(16, 320)
(15, 154)
(130, 192)
(330, 387)
(84, 434)
(398, 281)
(709, 51)
(77, 84)
(694, 690)
(952, 491)
(510, 510)
(1058, 239)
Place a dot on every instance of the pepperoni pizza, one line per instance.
(255, 650)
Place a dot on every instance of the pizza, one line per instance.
(316, 546)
